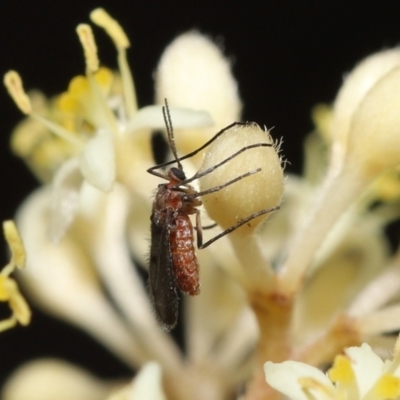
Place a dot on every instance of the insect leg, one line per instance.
(238, 225)
(217, 188)
(199, 231)
(214, 167)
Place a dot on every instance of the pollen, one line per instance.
(387, 387)
(342, 370)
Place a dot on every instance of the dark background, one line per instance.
(288, 55)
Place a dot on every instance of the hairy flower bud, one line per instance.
(261, 190)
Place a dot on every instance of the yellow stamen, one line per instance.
(18, 305)
(342, 370)
(3, 288)
(13, 83)
(101, 18)
(18, 256)
(89, 47)
(9, 291)
(387, 387)
(8, 323)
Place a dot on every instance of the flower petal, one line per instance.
(97, 161)
(148, 384)
(64, 199)
(49, 379)
(152, 117)
(62, 281)
(367, 366)
(285, 377)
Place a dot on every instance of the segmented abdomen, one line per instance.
(184, 257)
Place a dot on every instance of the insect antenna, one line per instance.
(194, 152)
(170, 133)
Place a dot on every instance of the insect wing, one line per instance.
(162, 284)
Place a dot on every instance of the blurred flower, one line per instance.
(9, 291)
(317, 278)
(358, 374)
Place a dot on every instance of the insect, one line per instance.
(173, 263)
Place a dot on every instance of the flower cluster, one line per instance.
(317, 278)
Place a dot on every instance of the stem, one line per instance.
(257, 270)
(274, 315)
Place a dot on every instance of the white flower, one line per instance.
(359, 374)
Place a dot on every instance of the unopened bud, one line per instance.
(261, 190)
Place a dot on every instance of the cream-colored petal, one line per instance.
(62, 281)
(148, 384)
(281, 225)
(64, 198)
(237, 345)
(209, 316)
(378, 292)
(97, 161)
(50, 379)
(386, 320)
(182, 118)
(366, 365)
(285, 376)
(346, 267)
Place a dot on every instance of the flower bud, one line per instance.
(357, 84)
(261, 190)
(374, 139)
(191, 68)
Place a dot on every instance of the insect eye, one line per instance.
(178, 174)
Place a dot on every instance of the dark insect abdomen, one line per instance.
(184, 257)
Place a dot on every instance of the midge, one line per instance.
(173, 261)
